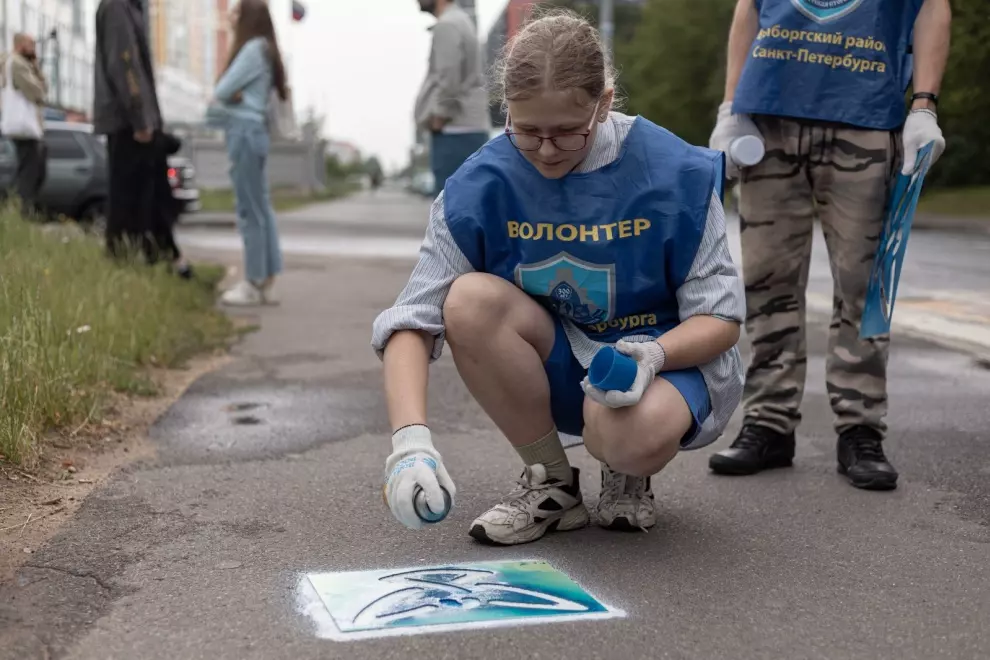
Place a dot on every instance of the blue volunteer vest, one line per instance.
(606, 249)
(843, 61)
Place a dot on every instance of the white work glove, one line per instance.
(414, 462)
(920, 128)
(650, 358)
(729, 127)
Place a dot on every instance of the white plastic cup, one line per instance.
(746, 151)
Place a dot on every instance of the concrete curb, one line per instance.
(942, 330)
(952, 224)
(208, 220)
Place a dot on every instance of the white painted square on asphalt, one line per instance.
(417, 600)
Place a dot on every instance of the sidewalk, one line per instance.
(957, 322)
(943, 295)
(271, 468)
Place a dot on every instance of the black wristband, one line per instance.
(925, 95)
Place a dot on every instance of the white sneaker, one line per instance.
(244, 294)
(626, 503)
(541, 505)
(266, 292)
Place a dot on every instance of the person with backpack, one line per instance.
(243, 95)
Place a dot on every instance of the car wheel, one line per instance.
(94, 219)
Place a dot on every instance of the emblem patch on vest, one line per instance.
(573, 288)
(824, 11)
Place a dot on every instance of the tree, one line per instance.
(625, 15)
(673, 68)
(964, 106)
(373, 167)
(673, 72)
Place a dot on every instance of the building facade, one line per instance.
(222, 36)
(183, 36)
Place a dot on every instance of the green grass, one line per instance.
(75, 327)
(974, 201)
(283, 199)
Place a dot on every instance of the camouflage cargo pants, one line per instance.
(842, 176)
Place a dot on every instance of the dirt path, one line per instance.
(35, 504)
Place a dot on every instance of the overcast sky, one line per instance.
(339, 65)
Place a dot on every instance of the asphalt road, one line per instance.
(951, 268)
(272, 468)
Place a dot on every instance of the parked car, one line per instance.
(182, 178)
(77, 181)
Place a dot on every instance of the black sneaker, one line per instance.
(862, 461)
(756, 448)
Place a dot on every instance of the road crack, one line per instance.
(74, 573)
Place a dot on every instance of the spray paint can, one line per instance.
(747, 151)
(423, 510)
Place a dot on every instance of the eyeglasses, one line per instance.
(563, 142)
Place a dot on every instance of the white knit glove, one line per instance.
(729, 127)
(920, 128)
(650, 358)
(414, 462)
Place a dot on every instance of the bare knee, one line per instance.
(479, 305)
(638, 441)
(644, 458)
(473, 300)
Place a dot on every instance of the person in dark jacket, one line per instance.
(126, 110)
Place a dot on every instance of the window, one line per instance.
(62, 145)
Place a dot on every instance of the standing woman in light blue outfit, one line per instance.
(243, 91)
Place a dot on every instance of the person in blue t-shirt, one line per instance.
(823, 84)
(578, 228)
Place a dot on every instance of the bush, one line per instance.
(75, 327)
(965, 101)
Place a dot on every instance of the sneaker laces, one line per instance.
(867, 444)
(527, 490)
(626, 492)
(613, 483)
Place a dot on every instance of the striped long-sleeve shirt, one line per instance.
(712, 287)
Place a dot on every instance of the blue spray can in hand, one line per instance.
(612, 370)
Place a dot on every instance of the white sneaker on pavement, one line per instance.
(626, 503)
(539, 506)
(243, 294)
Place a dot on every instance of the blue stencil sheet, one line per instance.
(886, 272)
